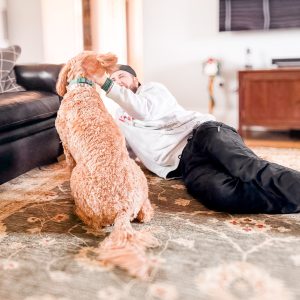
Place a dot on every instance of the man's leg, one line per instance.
(249, 183)
(217, 190)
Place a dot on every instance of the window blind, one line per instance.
(258, 14)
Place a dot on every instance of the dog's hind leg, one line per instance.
(146, 212)
(82, 188)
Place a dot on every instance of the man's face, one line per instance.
(125, 79)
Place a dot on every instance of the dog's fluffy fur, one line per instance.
(108, 187)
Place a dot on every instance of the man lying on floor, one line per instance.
(211, 158)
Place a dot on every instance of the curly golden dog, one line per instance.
(108, 187)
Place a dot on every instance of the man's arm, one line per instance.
(152, 102)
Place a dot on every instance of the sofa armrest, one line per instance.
(41, 77)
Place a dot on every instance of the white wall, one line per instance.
(3, 24)
(48, 31)
(62, 29)
(135, 36)
(25, 29)
(179, 34)
(109, 27)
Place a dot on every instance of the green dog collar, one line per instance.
(81, 81)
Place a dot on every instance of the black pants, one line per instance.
(222, 173)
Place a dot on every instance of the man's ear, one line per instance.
(136, 81)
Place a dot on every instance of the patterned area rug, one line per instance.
(47, 253)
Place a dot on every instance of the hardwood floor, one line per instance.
(276, 139)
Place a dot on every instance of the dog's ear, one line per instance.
(61, 84)
(108, 61)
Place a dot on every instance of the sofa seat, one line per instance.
(19, 109)
(29, 129)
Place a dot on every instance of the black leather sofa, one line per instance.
(28, 137)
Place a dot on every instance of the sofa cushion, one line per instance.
(9, 136)
(8, 57)
(38, 77)
(18, 109)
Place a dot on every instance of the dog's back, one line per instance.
(88, 130)
(103, 164)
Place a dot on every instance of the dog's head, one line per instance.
(86, 64)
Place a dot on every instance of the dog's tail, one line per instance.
(125, 248)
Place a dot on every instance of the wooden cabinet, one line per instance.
(269, 98)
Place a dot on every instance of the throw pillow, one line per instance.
(8, 57)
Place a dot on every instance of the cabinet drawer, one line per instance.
(270, 98)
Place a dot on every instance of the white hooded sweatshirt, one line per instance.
(155, 126)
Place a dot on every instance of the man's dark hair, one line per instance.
(125, 68)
